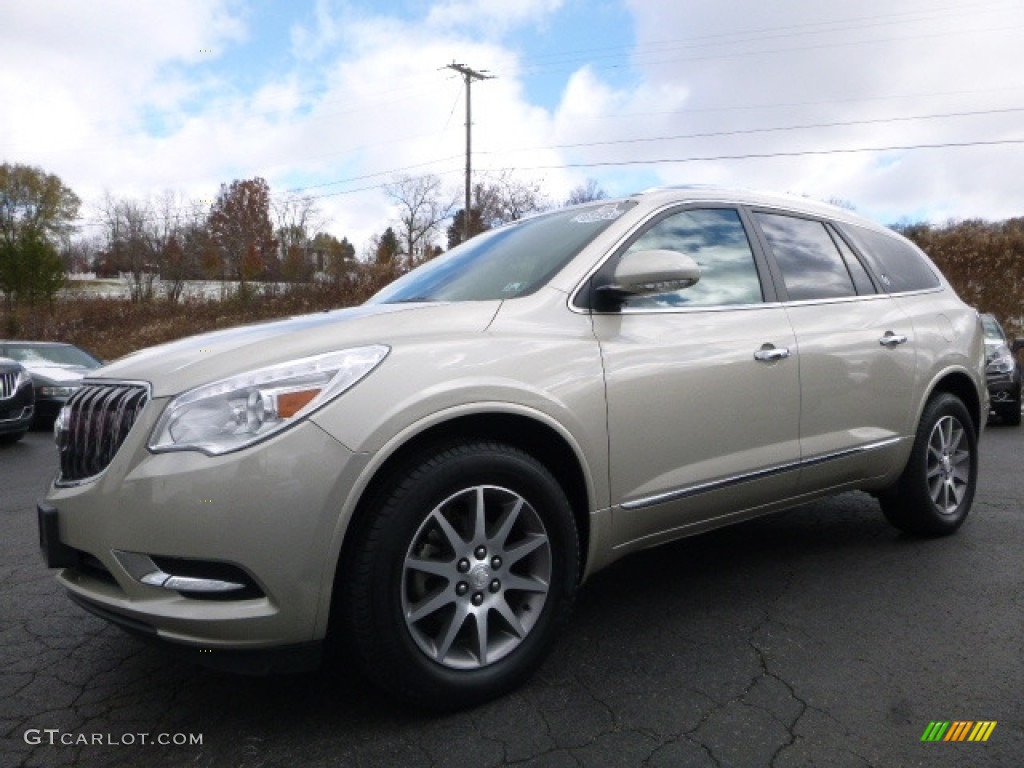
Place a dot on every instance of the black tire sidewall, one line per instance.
(388, 650)
(912, 507)
(1011, 415)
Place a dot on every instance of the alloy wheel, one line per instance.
(476, 577)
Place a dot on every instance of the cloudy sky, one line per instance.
(906, 110)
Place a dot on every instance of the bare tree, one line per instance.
(184, 241)
(81, 253)
(587, 192)
(498, 200)
(147, 240)
(423, 205)
(170, 212)
(510, 199)
(298, 220)
(131, 248)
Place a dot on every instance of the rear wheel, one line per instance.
(458, 583)
(935, 491)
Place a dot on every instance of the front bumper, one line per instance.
(302, 657)
(48, 407)
(271, 515)
(1003, 388)
(16, 420)
(17, 411)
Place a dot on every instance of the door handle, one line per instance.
(768, 353)
(892, 339)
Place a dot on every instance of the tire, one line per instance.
(1010, 416)
(935, 491)
(11, 438)
(461, 576)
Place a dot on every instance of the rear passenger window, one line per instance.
(897, 264)
(812, 267)
(716, 240)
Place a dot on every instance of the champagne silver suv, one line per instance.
(429, 477)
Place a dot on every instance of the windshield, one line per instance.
(993, 333)
(46, 355)
(508, 262)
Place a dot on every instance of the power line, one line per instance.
(748, 107)
(771, 155)
(775, 129)
(658, 161)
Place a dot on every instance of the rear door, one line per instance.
(857, 352)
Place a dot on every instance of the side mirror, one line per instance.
(644, 273)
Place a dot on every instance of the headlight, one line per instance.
(1002, 361)
(233, 413)
(63, 392)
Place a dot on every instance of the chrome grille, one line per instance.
(94, 424)
(8, 382)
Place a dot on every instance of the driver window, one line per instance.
(716, 240)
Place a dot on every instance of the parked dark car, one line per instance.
(57, 370)
(16, 401)
(1002, 372)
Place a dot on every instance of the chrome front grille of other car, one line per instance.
(8, 385)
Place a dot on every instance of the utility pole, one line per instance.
(468, 75)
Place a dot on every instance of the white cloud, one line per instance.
(794, 62)
(119, 96)
(81, 77)
(492, 18)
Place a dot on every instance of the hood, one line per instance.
(180, 365)
(58, 374)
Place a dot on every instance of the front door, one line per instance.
(702, 387)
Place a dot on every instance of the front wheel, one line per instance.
(462, 573)
(935, 491)
(11, 438)
(1010, 415)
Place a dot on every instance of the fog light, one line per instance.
(199, 579)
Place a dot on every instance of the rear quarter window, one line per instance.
(897, 264)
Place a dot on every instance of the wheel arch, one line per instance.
(960, 384)
(544, 442)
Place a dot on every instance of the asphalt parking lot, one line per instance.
(817, 637)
